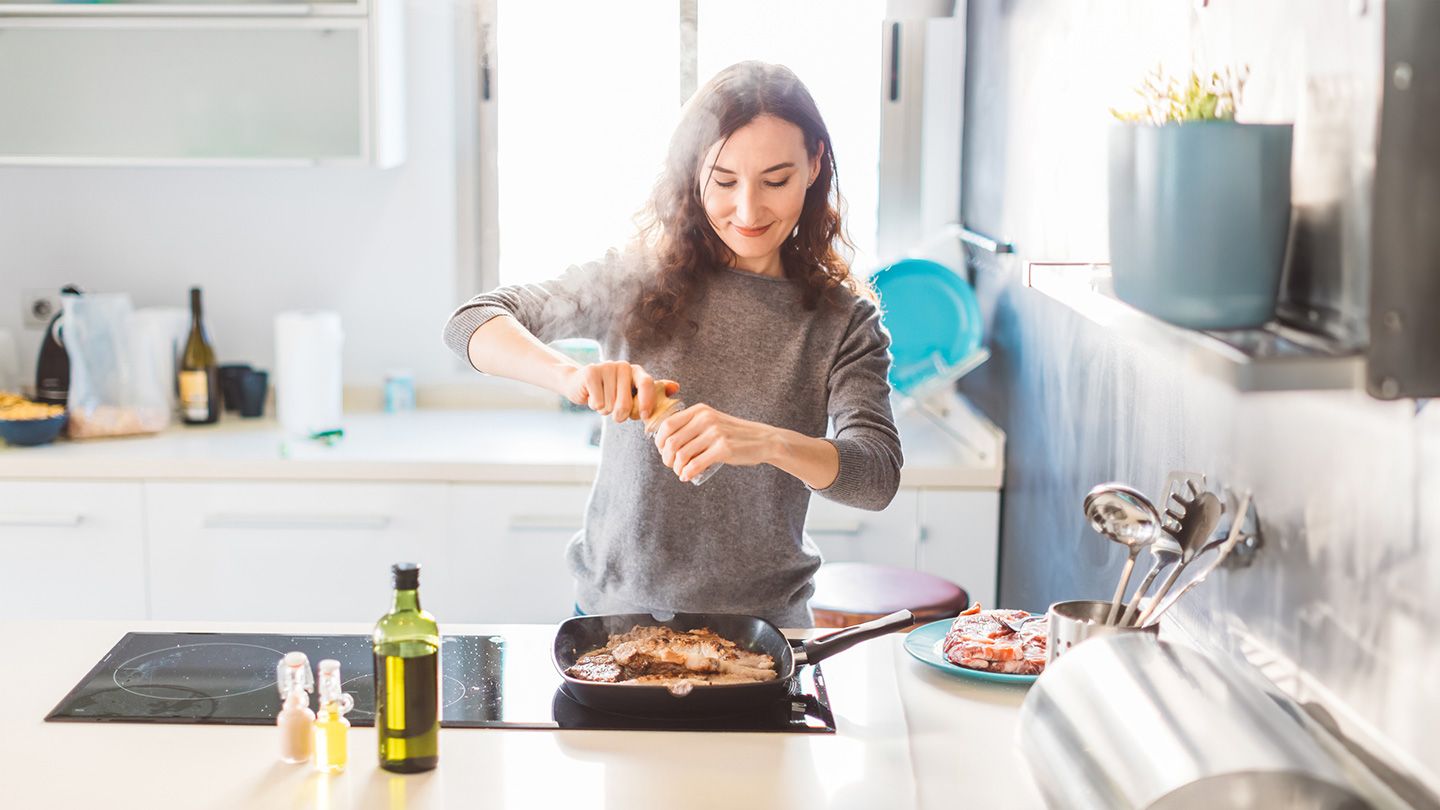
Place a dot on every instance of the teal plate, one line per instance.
(933, 320)
(924, 643)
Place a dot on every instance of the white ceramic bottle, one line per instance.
(296, 721)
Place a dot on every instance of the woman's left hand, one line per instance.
(699, 437)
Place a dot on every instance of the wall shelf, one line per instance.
(1271, 358)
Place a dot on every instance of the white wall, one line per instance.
(378, 246)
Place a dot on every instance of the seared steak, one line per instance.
(660, 655)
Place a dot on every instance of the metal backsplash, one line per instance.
(1348, 584)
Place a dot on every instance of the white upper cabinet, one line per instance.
(202, 84)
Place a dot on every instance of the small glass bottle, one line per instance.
(295, 681)
(665, 407)
(332, 730)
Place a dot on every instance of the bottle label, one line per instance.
(195, 394)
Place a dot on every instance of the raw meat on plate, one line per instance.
(978, 640)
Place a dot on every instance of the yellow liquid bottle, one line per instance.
(332, 730)
(407, 679)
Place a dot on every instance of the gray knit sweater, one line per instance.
(735, 544)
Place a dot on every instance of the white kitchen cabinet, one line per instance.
(505, 556)
(959, 539)
(847, 534)
(952, 533)
(202, 84)
(71, 550)
(302, 551)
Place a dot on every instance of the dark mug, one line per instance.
(253, 385)
(230, 377)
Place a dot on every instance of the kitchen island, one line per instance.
(907, 737)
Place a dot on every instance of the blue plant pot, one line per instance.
(1199, 214)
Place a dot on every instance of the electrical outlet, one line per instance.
(38, 307)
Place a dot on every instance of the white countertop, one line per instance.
(499, 446)
(907, 737)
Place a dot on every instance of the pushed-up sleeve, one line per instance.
(864, 431)
(586, 301)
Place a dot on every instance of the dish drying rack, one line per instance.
(933, 395)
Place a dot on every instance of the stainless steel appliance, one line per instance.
(1131, 722)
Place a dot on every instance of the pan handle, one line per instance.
(818, 649)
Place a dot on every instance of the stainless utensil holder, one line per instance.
(1080, 619)
(1128, 721)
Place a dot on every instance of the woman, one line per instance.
(737, 291)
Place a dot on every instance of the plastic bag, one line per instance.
(115, 389)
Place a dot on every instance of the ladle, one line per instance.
(1123, 514)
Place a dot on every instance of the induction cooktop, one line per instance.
(487, 682)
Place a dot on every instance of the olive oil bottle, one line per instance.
(407, 679)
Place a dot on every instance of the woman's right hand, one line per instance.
(613, 388)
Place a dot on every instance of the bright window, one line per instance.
(834, 47)
(590, 92)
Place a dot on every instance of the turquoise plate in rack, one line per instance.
(932, 316)
(924, 644)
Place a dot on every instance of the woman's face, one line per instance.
(754, 189)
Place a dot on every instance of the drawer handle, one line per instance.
(845, 527)
(36, 519)
(304, 522)
(546, 523)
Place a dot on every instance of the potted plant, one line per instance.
(1199, 204)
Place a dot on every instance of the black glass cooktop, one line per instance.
(488, 682)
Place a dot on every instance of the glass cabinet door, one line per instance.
(192, 90)
(105, 7)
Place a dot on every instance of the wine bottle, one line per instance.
(407, 679)
(199, 375)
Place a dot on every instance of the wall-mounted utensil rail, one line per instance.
(979, 240)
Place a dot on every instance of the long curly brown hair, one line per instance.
(684, 245)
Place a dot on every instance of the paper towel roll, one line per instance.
(308, 359)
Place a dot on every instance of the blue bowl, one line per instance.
(31, 432)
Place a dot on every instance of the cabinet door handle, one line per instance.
(304, 522)
(546, 523)
(845, 527)
(54, 519)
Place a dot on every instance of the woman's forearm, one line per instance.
(814, 461)
(501, 346)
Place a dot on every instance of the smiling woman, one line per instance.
(736, 296)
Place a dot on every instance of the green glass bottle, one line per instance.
(199, 380)
(407, 679)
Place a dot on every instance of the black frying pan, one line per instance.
(582, 634)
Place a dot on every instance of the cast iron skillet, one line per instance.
(582, 634)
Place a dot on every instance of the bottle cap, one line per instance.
(407, 576)
(293, 675)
